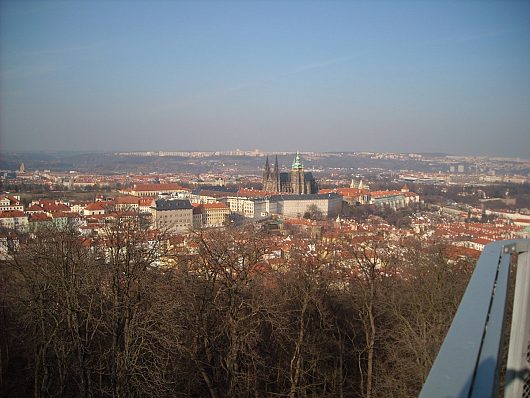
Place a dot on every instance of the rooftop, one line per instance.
(173, 204)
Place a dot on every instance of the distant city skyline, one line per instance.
(433, 76)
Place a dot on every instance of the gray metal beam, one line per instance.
(517, 381)
(468, 362)
(485, 382)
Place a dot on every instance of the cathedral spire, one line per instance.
(297, 163)
(276, 166)
(267, 170)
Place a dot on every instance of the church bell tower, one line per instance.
(297, 176)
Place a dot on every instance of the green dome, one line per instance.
(297, 163)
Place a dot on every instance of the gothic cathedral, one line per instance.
(296, 182)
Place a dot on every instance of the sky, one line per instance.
(383, 76)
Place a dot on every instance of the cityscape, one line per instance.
(269, 199)
(466, 201)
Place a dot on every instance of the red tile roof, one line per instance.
(53, 207)
(35, 208)
(126, 200)
(382, 194)
(39, 217)
(146, 201)
(158, 187)
(12, 213)
(482, 241)
(198, 208)
(456, 252)
(95, 206)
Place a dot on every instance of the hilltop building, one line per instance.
(297, 181)
(175, 215)
(262, 206)
(154, 190)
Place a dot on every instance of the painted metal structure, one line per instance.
(470, 360)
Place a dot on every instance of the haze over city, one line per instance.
(450, 77)
(296, 198)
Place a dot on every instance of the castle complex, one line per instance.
(297, 181)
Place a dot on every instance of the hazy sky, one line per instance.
(396, 76)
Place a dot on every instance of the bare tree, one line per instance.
(136, 353)
(222, 293)
(365, 269)
(111, 316)
(421, 304)
(61, 306)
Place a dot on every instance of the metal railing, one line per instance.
(470, 359)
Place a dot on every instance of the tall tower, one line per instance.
(276, 176)
(266, 175)
(297, 176)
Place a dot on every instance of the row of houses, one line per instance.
(395, 199)
(176, 214)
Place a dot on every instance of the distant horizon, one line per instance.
(388, 77)
(262, 152)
